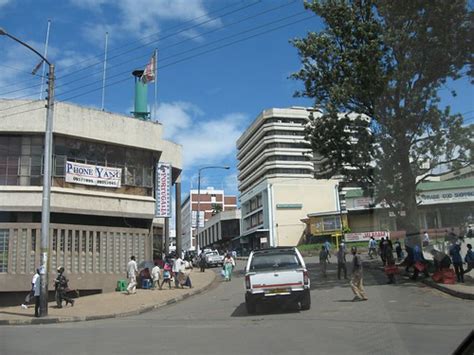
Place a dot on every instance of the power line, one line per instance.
(144, 45)
(181, 42)
(203, 46)
(168, 29)
(197, 55)
(160, 39)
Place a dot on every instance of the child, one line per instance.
(469, 259)
(166, 275)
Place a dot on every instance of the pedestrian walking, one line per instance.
(327, 246)
(372, 247)
(341, 261)
(455, 253)
(323, 260)
(132, 271)
(62, 287)
(469, 259)
(166, 275)
(155, 275)
(36, 292)
(426, 239)
(356, 279)
(202, 262)
(178, 264)
(382, 250)
(390, 268)
(229, 265)
(31, 293)
(398, 250)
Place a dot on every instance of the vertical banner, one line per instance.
(163, 190)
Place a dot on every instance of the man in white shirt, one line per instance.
(155, 275)
(177, 266)
(37, 291)
(132, 271)
(426, 239)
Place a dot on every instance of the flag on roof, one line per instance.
(150, 70)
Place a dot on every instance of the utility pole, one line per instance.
(45, 209)
(47, 169)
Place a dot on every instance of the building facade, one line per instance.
(276, 180)
(219, 231)
(210, 201)
(102, 194)
(443, 205)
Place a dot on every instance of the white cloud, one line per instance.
(204, 141)
(4, 2)
(140, 18)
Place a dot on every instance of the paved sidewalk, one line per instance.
(460, 290)
(109, 305)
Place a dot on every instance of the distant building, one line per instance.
(276, 180)
(220, 230)
(97, 220)
(210, 200)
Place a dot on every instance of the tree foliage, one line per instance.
(387, 60)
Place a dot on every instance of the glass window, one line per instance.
(4, 239)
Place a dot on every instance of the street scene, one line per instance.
(236, 177)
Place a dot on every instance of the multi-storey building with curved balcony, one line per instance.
(95, 225)
(276, 179)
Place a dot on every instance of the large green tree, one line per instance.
(387, 60)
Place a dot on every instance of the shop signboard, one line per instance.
(360, 237)
(95, 175)
(163, 190)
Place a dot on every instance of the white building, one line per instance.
(209, 199)
(95, 228)
(276, 180)
(219, 231)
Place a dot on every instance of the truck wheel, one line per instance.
(306, 300)
(250, 305)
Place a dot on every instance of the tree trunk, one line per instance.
(410, 221)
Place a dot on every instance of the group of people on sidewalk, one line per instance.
(174, 269)
(415, 259)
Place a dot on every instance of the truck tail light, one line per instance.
(305, 277)
(247, 282)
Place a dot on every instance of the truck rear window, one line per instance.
(274, 261)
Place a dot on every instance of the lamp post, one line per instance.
(47, 167)
(199, 198)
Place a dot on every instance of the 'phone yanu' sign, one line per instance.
(96, 175)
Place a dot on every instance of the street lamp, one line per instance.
(199, 198)
(47, 167)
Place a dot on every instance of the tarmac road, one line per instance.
(406, 318)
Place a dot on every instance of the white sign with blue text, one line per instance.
(95, 175)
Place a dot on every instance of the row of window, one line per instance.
(279, 157)
(283, 171)
(21, 160)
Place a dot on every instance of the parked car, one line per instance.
(276, 274)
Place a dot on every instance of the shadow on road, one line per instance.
(267, 308)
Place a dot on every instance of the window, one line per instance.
(286, 260)
(331, 223)
(4, 239)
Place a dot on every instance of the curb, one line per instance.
(440, 287)
(143, 309)
(458, 294)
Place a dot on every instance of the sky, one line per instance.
(220, 63)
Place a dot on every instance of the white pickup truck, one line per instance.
(276, 273)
